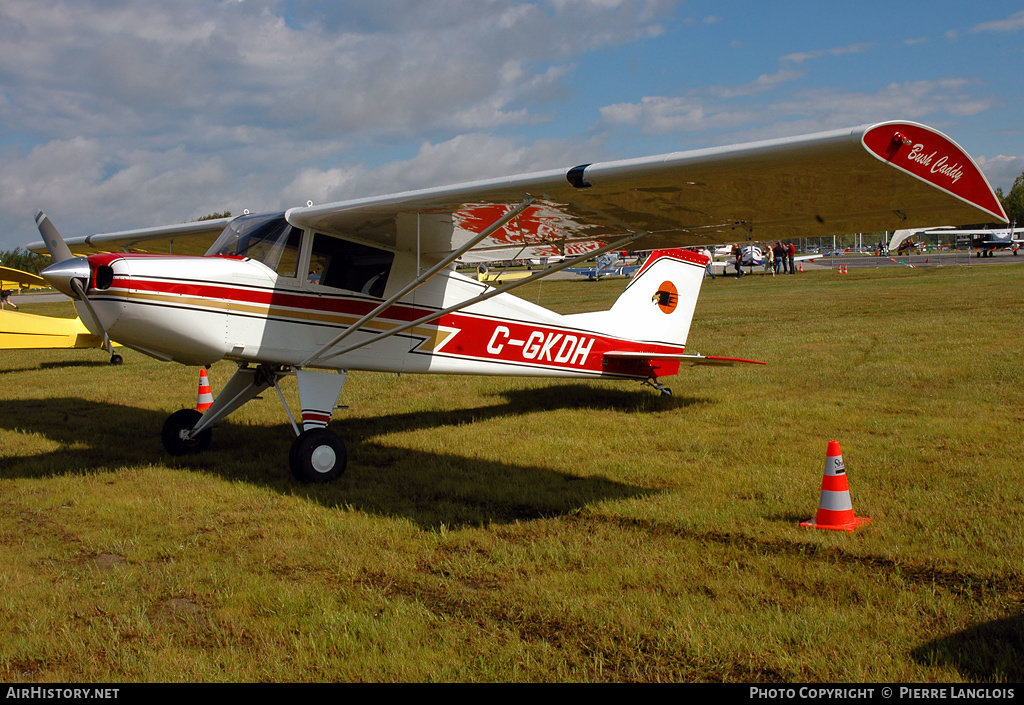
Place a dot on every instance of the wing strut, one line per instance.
(421, 278)
(618, 244)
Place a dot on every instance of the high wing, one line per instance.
(184, 239)
(868, 178)
(877, 177)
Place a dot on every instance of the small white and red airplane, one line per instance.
(752, 256)
(369, 284)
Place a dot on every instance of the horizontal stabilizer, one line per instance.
(694, 359)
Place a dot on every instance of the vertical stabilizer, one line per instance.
(658, 304)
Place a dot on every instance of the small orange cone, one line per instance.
(205, 399)
(835, 510)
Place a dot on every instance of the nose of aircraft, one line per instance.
(61, 274)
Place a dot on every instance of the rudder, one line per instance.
(658, 304)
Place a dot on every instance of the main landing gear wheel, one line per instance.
(173, 434)
(318, 455)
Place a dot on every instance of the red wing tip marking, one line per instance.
(935, 159)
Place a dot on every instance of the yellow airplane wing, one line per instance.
(17, 279)
(25, 331)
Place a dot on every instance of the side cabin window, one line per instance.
(266, 238)
(342, 264)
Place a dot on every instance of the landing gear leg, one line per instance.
(653, 382)
(189, 431)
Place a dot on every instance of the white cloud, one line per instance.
(130, 114)
(1012, 23)
(723, 112)
(800, 57)
(464, 158)
(1001, 170)
(762, 83)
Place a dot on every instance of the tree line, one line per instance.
(24, 260)
(1013, 202)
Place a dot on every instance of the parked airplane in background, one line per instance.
(25, 331)
(608, 266)
(16, 279)
(908, 246)
(984, 241)
(369, 284)
(751, 256)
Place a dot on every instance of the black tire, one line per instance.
(318, 456)
(182, 421)
(116, 359)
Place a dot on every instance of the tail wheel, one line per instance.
(175, 427)
(318, 456)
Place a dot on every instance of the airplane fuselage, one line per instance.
(198, 310)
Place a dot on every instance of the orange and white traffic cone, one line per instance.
(205, 399)
(835, 510)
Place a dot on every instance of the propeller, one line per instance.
(70, 275)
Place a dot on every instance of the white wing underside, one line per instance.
(816, 185)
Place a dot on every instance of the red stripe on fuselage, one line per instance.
(265, 297)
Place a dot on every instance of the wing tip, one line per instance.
(934, 158)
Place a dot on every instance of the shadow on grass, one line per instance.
(431, 489)
(993, 651)
(73, 363)
(57, 366)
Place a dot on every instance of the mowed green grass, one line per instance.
(496, 529)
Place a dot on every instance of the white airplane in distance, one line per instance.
(984, 242)
(368, 284)
(607, 266)
(751, 256)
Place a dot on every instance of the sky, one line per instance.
(118, 114)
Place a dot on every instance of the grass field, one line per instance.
(493, 529)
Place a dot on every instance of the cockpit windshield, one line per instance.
(266, 238)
